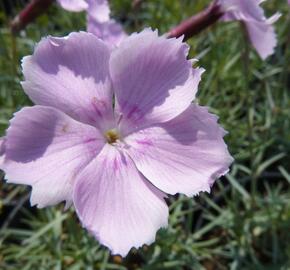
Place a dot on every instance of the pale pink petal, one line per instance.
(260, 29)
(47, 149)
(2, 150)
(184, 155)
(263, 37)
(111, 32)
(153, 81)
(238, 9)
(99, 10)
(72, 75)
(117, 204)
(73, 5)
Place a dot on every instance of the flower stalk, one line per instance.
(34, 9)
(199, 22)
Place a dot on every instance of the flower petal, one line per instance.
(111, 32)
(2, 150)
(73, 5)
(184, 155)
(153, 81)
(46, 149)
(260, 29)
(237, 9)
(117, 204)
(72, 75)
(263, 37)
(99, 10)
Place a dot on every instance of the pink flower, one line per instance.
(260, 29)
(97, 9)
(115, 163)
(98, 19)
(111, 31)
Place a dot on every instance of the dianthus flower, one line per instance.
(113, 132)
(98, 19)
(260, 29)
(98, 9)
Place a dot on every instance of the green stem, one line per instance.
(250, 103)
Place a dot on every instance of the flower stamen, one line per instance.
(112, 136)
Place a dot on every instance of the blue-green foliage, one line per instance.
(243, 224)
